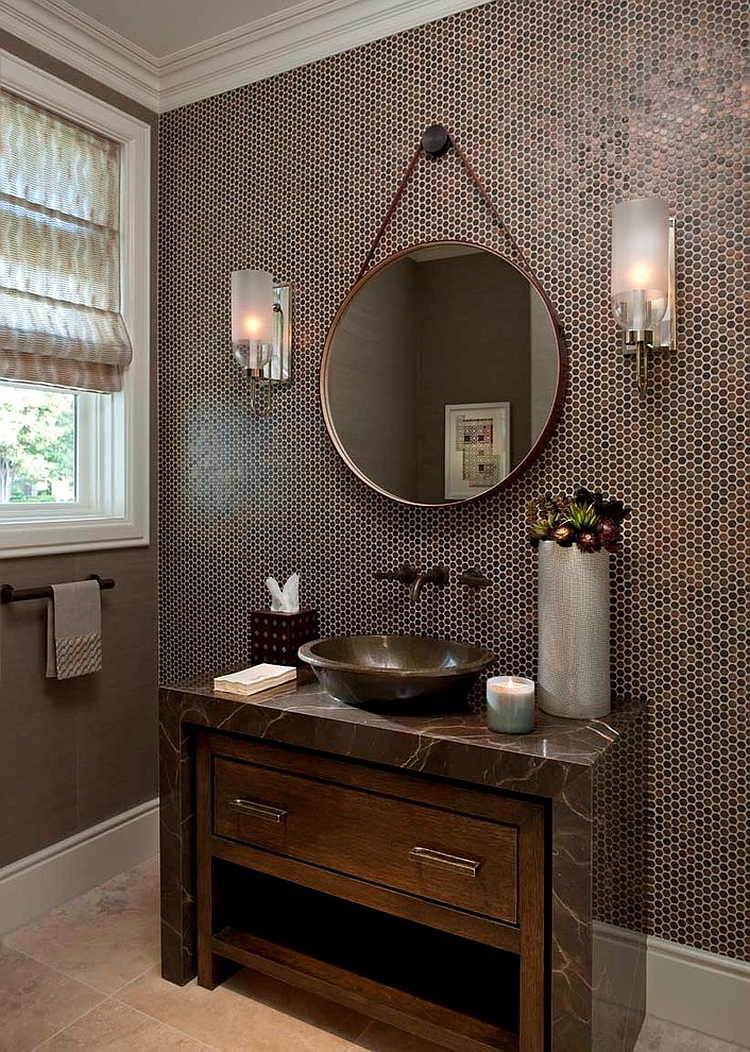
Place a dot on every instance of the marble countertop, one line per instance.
(457, 744)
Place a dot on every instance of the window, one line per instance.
(74, 319)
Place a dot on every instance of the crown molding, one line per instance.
(311, 30)
(85, 44)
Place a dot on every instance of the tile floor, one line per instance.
(86, 977)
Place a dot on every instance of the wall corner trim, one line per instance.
(688, 987)
(86, 45)
(56, 874)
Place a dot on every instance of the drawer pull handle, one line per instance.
(250, 807)
(439, 858)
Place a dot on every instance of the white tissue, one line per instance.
(284, 600)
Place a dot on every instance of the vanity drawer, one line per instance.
(462, 860)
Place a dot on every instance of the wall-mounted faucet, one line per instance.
(438, 576)
(414, 578)
(405, 574)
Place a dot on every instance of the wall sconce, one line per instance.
(261, 334)
(643, 280)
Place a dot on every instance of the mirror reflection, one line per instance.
(440, 373)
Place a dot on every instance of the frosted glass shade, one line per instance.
(251, 354)
(640, 263)
(252, 307)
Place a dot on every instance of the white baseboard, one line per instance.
(699, 990)
(47, 879)
(690, 988)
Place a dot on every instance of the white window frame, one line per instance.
(122, 457)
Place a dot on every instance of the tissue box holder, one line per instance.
(276, 636)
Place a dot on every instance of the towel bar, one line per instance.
(9, 594)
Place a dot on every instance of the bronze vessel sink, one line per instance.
(395, 671)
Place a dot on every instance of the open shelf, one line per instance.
(440, 985)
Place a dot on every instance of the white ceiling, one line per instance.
(162, 27)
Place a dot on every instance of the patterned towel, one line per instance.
(74, 630)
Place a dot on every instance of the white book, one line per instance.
(253, 680)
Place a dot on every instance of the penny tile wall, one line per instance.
(563, 108)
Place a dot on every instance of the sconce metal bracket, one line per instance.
(279, 369)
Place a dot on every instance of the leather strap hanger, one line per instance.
(436, 141)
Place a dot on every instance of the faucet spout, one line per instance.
(438, 576)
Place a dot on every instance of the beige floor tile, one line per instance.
(104, 938)
(115, 1027)
(36, 1001)
(381, 1038)
(658, 1036)
(248, 1013)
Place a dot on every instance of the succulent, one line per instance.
(588, 540)
(582, 516)
(564, 533)
(609, 531)
(587, 519)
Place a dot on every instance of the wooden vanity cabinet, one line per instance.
(415, 900)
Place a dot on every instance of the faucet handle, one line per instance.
(439, 575)
(474, 578)
(405, 574)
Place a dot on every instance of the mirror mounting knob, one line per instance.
(435, 140)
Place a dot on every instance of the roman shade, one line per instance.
(60, 320)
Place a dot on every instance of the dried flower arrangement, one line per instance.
(586, 519)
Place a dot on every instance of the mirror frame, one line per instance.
(552, 418)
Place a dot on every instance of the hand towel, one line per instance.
(74, 630)
(253, 680)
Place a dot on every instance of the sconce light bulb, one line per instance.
(640, 275)
(252, 325)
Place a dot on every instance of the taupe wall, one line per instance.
(470, 305)
(543, 351)
(76, 752)
(373, 380)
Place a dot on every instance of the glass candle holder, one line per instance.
(510, 704)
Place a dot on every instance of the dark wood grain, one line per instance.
(449, 795)
(345, 837)
(411, 907)
(370, 836)
(532, 923)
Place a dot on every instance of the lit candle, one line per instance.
(510, 704)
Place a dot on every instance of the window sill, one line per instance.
(75, 535)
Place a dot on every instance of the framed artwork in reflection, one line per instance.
(477, 447)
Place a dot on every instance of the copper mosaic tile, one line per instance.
(563, 108)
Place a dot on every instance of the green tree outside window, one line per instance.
(37, 445)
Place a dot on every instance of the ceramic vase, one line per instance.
(573, 677)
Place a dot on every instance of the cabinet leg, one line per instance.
(213, 970)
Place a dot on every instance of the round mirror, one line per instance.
(443, 374)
